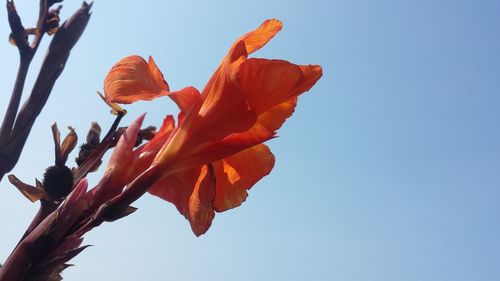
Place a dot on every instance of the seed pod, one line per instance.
(58, 182)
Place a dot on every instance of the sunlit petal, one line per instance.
(133, 79)
(238, 173)
(254, 40)
(192, 192)
(267, 83)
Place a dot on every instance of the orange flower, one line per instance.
(216, 153)
(243, 104)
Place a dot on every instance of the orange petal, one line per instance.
(201, 202)
(186, 98)
(267, 83)
(177, 189)
(255, 39)
(226, 124)
(150, 148)
(310, 75)
(192, 192)
(238, 173)
(263, 130)
(222, 111)
(133, 79)
(271, 88)
(242, 105)
(267, 124)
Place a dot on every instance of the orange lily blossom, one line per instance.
(216, 153)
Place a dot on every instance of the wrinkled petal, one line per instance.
(201, 202)
(186, 99)
(265, 128)
(224, 102)
(222, 111)
(271, 88)
(310, 75)
(133, 79)
(254, 40)
(192, 192)
(267, 83)
(238, 173)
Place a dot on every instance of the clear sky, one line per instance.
(389, 169)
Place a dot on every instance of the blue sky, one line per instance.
(388, 170)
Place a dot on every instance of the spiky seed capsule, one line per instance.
(85, 151)
(58, 182)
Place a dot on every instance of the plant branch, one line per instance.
(20, 39)
(16, 128)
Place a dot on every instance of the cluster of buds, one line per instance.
(58, 219)
(59, 179)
